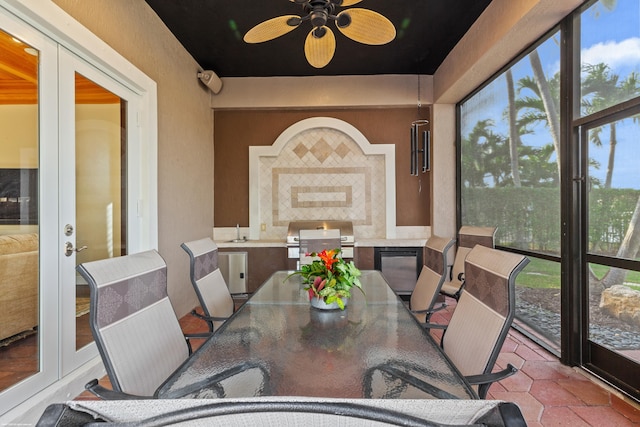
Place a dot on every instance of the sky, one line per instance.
(607, 36)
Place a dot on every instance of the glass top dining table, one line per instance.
(276, 344)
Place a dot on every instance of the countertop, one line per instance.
(359, 243)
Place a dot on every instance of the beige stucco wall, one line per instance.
(185, 127)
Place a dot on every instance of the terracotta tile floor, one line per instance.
(548, 393)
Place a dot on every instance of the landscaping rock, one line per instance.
(622, 302)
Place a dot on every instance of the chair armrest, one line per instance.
(202, 335)
(430, 311)
(433, 326)
(492, 377)
(108, 394)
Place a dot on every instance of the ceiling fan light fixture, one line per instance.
(319, 47)
(343, 20)
(361, 25)
(319, 32)
(367, 27)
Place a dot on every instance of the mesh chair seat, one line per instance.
(480, 323)
(425, 294)
(484, 313)
(135, 327)
(208, 283)
(468, 237)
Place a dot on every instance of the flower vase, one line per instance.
(318, 303)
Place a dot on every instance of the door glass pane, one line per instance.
(614, 232)
(100, 185)
(613, 311)
(614, 189)
(538, 301)
(19, 231)
(608, 54)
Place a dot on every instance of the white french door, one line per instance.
(95, 133)
(87, 129)
(31, 126)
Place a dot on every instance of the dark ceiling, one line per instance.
(212, 31)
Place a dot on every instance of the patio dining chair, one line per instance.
(468, 237)
(478, 327)
(287, 411)
(208, 283)
(484, 313)
(136, 330)
(424, 297)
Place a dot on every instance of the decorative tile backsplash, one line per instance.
(322, 173)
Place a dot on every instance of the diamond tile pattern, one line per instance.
(321, 150)
(322, 174)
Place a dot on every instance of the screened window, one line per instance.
(609, 54)
(509, 176)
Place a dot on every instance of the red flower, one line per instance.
(328, 257)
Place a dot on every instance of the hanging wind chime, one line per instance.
(422, 138)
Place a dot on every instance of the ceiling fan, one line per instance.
(362, 25)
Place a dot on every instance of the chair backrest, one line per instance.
(317, 241)
(468, 237)
(207, 280)
(133, 322)
(431, 277)
(485, 311)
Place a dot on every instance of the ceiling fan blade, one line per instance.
(349, 2)
(319, 50)
(272, 28)
(365, 26)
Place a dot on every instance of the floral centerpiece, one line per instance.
(329, 278)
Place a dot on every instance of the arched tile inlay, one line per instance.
(322, 169)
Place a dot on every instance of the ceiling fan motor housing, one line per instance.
(318, 18)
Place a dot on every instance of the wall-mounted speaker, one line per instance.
(211, 80)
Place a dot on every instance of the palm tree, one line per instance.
(514, 131)
(604, 91)
(548, 102)
(599, 91)
(480, 152)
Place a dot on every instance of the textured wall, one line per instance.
(322, 174)
(185, 126)
(237, 130)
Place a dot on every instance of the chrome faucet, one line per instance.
(237, 231)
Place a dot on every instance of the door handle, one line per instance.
(69, 249)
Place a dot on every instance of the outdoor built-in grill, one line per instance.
(346, 236)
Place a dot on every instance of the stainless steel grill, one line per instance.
(347, 239)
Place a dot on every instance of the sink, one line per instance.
(238, 241)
